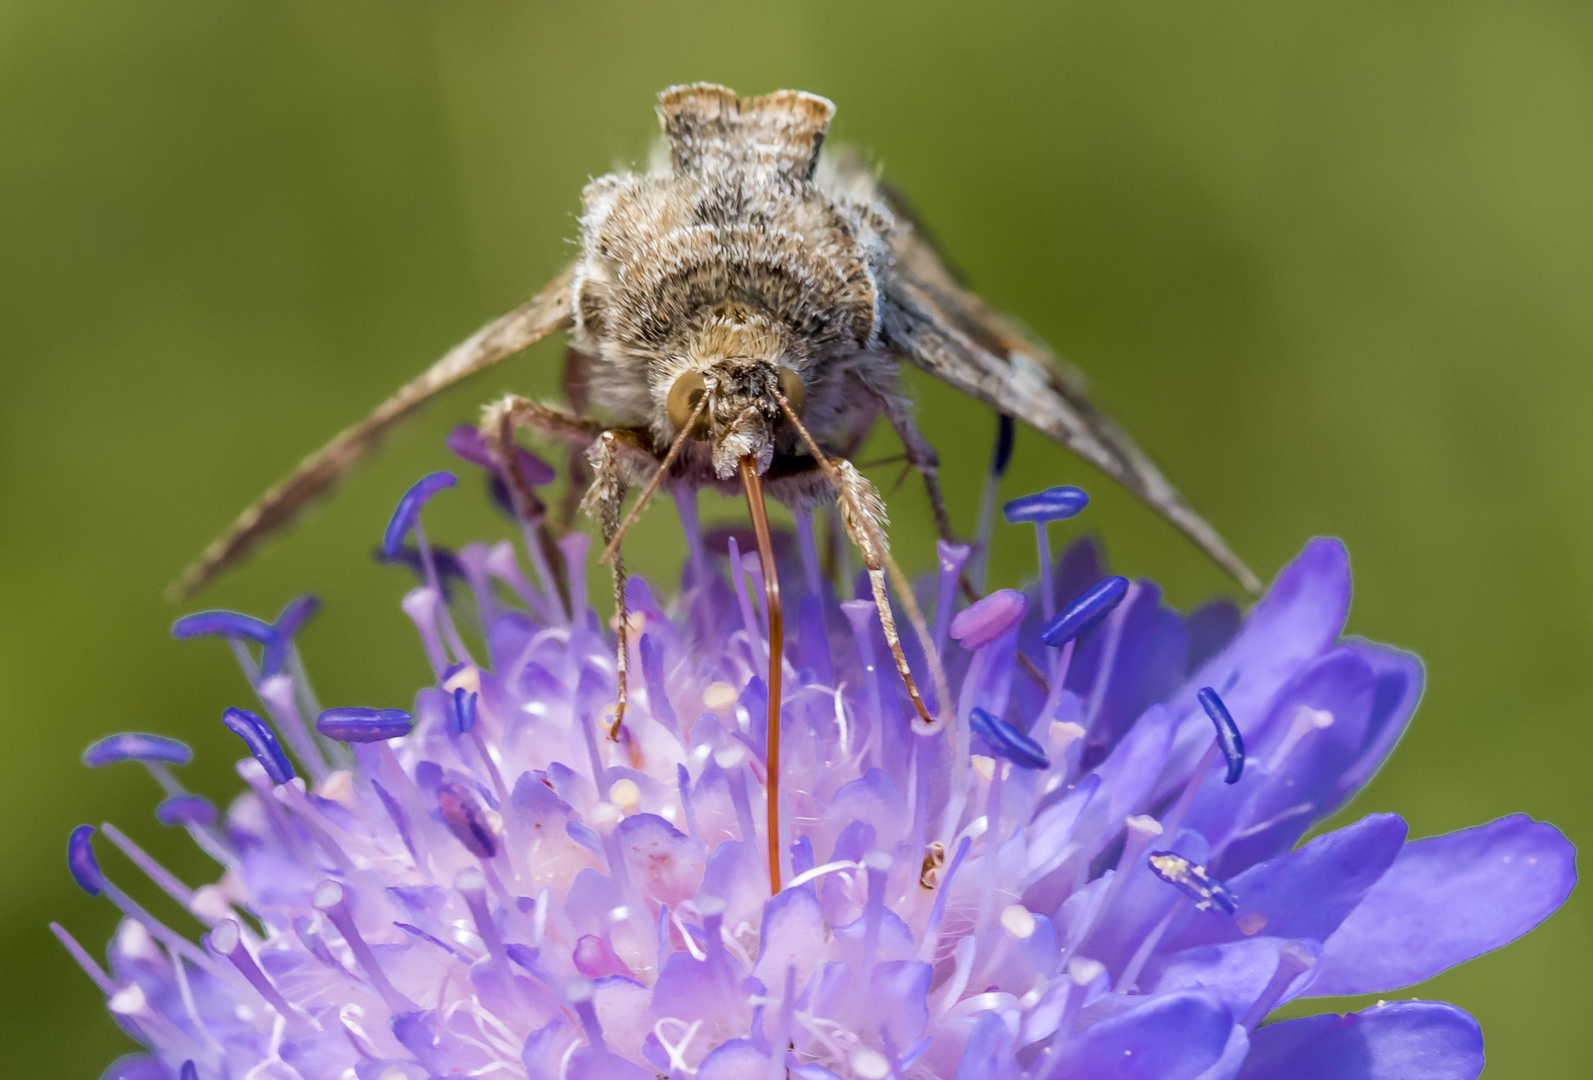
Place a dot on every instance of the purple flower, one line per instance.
(1078, 877)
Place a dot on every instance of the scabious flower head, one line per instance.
(1094, 871)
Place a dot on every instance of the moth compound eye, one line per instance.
(796, 394)
(684, 397)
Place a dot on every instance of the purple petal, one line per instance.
(736, 1059)
(1052, 504)
(81, 861)
(1236, 972)
(1174, 1036)
(988, 1052)
(1211, 627)
(1400, 1040)
(467, 441)
(227, 624)
(1447, 899)
(186, 810)
(408, 510)
(261, 741)
(364, 725)
(136, 1067)
(589, 1063)
(1300, 617)
(989, 617)
(1400, 679)
(1147, 665)
(1308, 892)
(136, 746)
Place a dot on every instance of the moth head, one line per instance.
(726, 391)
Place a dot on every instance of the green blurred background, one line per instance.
(1331, 264)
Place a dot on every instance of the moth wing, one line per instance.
(548, 311)
(932, 320)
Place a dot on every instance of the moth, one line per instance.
(738, 314)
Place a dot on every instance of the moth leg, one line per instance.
(862, 514)
(605, 503)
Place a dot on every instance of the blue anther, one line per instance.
(1008, 741)
(1052, 504)
(1193, 881)
(461, 711)
(465, 819)
(227, 624)
(1085, 612)
(190, 1071)
(466, 441)
(289, 622)
(186, 809)
(261, 741)
(364, 725)
(408, 510)
(81, 861)
(1229, 740)
(446, 563)
(298, 611)
(1002, 456)
(136, 746)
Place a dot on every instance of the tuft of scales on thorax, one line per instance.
(740, 244)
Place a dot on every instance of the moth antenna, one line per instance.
(611, 550)
(752, 485)
(863, 515)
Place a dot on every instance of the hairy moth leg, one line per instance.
(863, 516)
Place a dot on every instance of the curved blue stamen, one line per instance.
(136, 746)
(262, 743)
(289, 622)
(227, 624)
(467, 442)
(1085, 612)
(1002, 455)
(448, 566)
(298, 611)
(364, 725)
(81, 861)
(408, 510)
(1008, 741)
(186, 810)
(1193, 881)
(1052, 504)
(461, 711)
(1229, 740)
